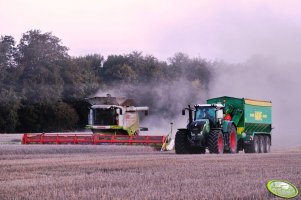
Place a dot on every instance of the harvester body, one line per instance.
(112, 115)
(227, 124)
(113, 120)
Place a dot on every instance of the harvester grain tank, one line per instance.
(227, 125)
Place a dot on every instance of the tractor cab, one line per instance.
(203, 118)
(212, 112)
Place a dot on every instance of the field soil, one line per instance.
(137, 172)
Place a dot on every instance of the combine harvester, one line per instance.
(113, 120)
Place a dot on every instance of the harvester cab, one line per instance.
(104, 115)
(114, 115)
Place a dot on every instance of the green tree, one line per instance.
(8, 52)
(8, 64)
(178, 65)
(47, 117)
(148, 68)
(81, 77)
(41, 57)
(9, 105)
(59, 116)
(195, 70)
(37, 48)
(116, 70)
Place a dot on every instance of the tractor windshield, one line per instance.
(205, 112)
(105, 116)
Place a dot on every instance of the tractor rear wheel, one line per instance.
(181, 143)
(232, 148)
(267, 142)
(216, 142)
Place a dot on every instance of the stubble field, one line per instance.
(137, 172)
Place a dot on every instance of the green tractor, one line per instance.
(226, 125)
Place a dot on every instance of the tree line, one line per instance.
(43, 88)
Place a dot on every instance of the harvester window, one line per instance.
(105, 117)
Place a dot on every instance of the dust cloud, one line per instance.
(165, 101)
(260, 78)
(265, 78)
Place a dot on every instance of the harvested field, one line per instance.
(135, 172)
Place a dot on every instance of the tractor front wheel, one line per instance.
(181, 143)
(197, 150)
(216, 142)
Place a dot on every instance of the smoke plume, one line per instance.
(266, 78)
(165, 101)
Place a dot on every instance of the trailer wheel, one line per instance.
(181, 143)
(216, 142)
(262, 145)
(267, 142)
(254, 146)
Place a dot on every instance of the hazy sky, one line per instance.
(229, 30)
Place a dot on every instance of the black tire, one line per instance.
(197, 150)
(261, 143)
(254, 146)
(232, 148)
(181, 143)
(248, 149)
(267, 142)
(216, 142)
(202, 150)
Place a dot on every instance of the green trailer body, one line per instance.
(251, 117)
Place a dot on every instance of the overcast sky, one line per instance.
(229, 30)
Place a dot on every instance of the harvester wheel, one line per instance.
(181, 143)
(216, 142)
(261, 144)
(267, 142)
